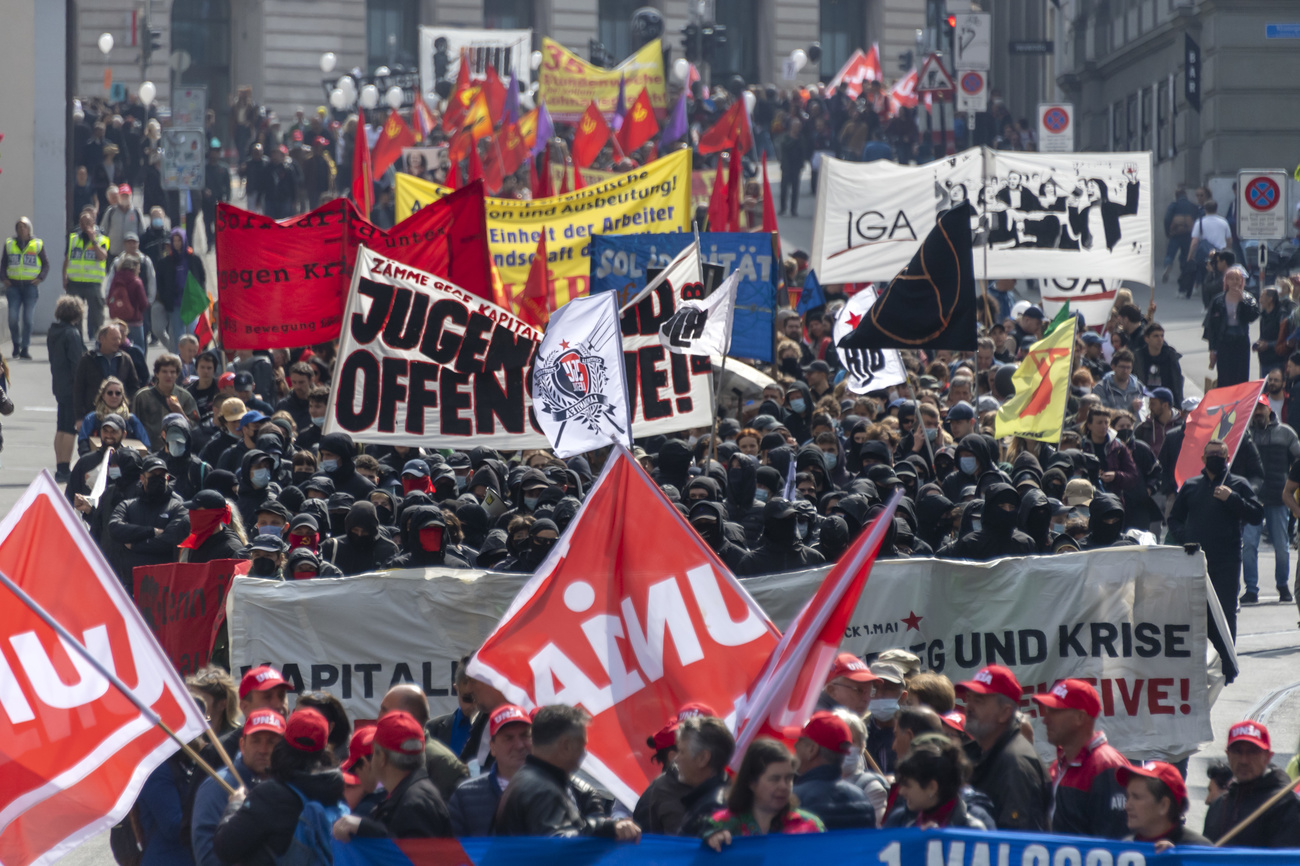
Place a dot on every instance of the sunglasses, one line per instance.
(112, 393)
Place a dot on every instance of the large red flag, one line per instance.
(457, 104)
(513, 149)
(76, 751)
(731, 130)
(639, 126)
(631, 616)
(769, 206)
(495, 92)
(785, 692)
(1223, 413)
(735, 180)
(493, 176)
(475, 170)
(578, 182)
(590, 137)
(718, 215)
(538, 299)
(394, 136)
(453, 173)
(363, 179)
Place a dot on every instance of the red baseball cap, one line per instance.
(1263, 399)
(261, 679)
(124, 189)
(694, 710)
(264, 720)
(828, 731)
(851, 667)
(1071, 695)
(665, 737)
(362, 745)
(1250, 732)
(307, 730)
(400, 732)
(955, 719)
(1166, 773)
(506, 714)
(993, 680)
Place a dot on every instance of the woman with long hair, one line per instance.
(111, 399)
(761, 799)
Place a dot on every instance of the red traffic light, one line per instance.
(952, 21)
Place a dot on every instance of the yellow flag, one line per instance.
(1037, 411)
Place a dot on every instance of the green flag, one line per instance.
(194, 301)
(1062, 316)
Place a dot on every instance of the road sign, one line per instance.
(1282, 31)
(934, 78)
(1055, 127)
(1261, 205)
(189, 106)
(971, 40)
(1031, 46)
(183, 152)
(972, 90)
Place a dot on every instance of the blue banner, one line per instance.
(890, 847)
(619, 263)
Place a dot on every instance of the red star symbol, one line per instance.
(854, 318)
(564, 344)
(913, 621)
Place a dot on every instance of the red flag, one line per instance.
(578, 182)
(423, 117)
(538, 300)
(513, 149)
(718, 213)
(544, 188)
(639, 126)
(453, 174)
(493, 176)
(185, 633)
(76, 750)
(475, 169)
(392, 138)
(735, 180)
(564, 181)
(592, 627)
(1223, 413)
(785, 692)
(495, 92)
(453, 118)
(590, 137)
(769, 206)
(363, 180)
(731, 130)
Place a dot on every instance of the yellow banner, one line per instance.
(654, 198)
(568, 84)
(1037, 411)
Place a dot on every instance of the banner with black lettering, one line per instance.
(1094, 298)
(1130, 620)
(1035, 215)
(866, 370)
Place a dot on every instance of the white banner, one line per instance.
(867, 369)
(703, 327)
(509, 51)
(1131, 620)
(1037, 215)
(1093, 298)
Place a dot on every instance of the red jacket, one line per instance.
(1087, 799)
(126, 298)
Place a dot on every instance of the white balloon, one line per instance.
(535, 59)
(327, 61)
(750, 99)
(800, 58)
(383, 72)
(348, 86)
(105, 42)
(147, 92)
(394, 97)
(338, 99)
(681, 68)
(369, 96)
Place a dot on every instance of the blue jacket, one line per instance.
(161, 810)
(841, 805)
(209, 805)
(90, 427)
(473, 805)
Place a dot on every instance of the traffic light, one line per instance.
(155, 41)
(905, 61)
(690, 42)
(948, 31)
(715, 40)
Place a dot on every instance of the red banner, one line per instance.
(182, 604)
(74, 751)
(284, 283)
(1223, 413)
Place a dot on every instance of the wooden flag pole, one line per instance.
(104, 672)
(225, 756)
(1253, 816)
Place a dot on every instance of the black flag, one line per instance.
(931, 304)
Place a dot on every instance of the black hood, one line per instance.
(474, 522)
(1035, 517)
(708, 485)
(485, 476)
(932, 510)
(811, 459)
(530, 477)
(833, 538)
(997, 522)
(855, 508)
(480, 454)
(979, 446)
(771, 479)
(718, 511)
(673, 463)
(340, 444)
(1100, 532)
(802, 387)
(875, 449)
(362, 515)
(494, 549)
(416, 519)
(742, 478)
(780, 459)
(779, 517)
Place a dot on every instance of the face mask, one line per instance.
(932, 433)
(260, 477)
(262, 567)
(385, 514)
(1058, 528)
(830, 458)
(304, 574)
(798, 404)
(969, 465)
(329, 465)
(156, 222)
(156, 487)
(976, 524)
(269, 530)
(708, 530)
(431, 538)
(1124, 435)
(530, 502)
(300, 476)
(760, 494)
(176, 447)
(303, 541)
(319, 422)
(114, 472)
(362, 540)
(1216, 464)
(461, 481)
(542, 546)
(883, 709)
(801, 529)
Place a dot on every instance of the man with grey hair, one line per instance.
(539, 800)
(1227, 328)
(704, 748)
(871, 783)
(821, 748)
(413, 808)
(1007, 770)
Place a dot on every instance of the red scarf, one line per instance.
(203, 523)
(939, 816)
(424, 484)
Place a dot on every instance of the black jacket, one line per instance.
(65, 349)
(222, 544)
(412, 810)
(700, 803)
(1160, 371)
(660, 808)
(1278, 448)
(134, 521)
(539, 802)
(780, 549)
(961, 816)
(1279, 827)
(1216, 526)
(263, 827)
(1011, 775)
(473, 805)
(840, 804)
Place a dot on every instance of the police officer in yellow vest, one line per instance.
(83, 271)
(25, 267)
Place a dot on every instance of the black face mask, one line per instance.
(709, 531)
(541, 547)
(363, 541)
(1125, 436)
(998, 521)
(262, 567)
(385, 515)
(337, 522)
(300, 476)
(1216, 465)
(155, 488)
(1105, 533)
(791, 366)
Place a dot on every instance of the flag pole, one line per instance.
(95, 663)
(1253, 816)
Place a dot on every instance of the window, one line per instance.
(614, 28)
(1147, 111)
(508, 14)
(843, 31)
(1131, 123)
(740, 55)
(1164, 127)
(392, 33)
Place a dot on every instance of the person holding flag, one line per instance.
(179, 275)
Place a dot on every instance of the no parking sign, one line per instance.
(1055, 127)
(1261, 204)
(972, 90)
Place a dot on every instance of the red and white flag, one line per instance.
(785, 692)
(857, 71)
(631, 616)
(75, 750)
(903, 93)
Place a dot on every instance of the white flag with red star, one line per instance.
(866, 369)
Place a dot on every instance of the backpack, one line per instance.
(119, 303)
(311, 845)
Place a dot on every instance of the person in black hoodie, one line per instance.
(258, 828)
(833, 539)
(742, 505)
(542, 536)
(424, 541)
(997, 536)
(362, 548)
(337, 460)
(973, 460)
(526, 493)
(146, 529)
(798, 415)
(708, 519)
(1106, 523)
(1035, 519)
(782, 547)
(187, 471)
(212, 535)
(474, 521)
(256, 485)
(673, 464)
